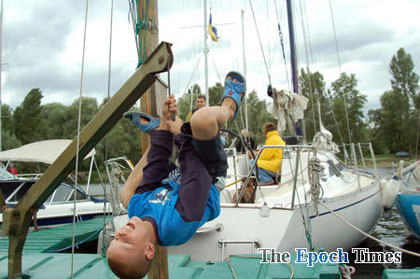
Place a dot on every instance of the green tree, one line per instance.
(312, 86)
(53, 119)
(400, 107)
(8, 137)
(89, 109)
(388, 133)
(9, 140)
(404, 80)
(7, 123)
(27, 117)
(124, 139)
(215, 94)
(347, 97)
(404, 83)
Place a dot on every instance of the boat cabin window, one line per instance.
(79, 196)
(334, 168)
(4, 174)
(62, 193)
(13, 194)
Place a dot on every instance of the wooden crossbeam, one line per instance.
(16, 221)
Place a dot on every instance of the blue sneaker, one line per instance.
(134, 117)
(235, 85)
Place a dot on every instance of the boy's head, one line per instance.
(200, 101)
(131, 252)
(268, 127)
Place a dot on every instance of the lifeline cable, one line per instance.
(259, 39)
(368, 235)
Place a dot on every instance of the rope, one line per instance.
(192, 75)
(339, 66)
(78, 139)
(306, 39)
(116, 173)
(259, 40)
(110, 52)
(109, 70)
(282, 48)
(368, 235)
(254, 257)
(141, 24)
(346, 271)
(131, 13)
(314, 172)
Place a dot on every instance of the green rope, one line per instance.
(142, 24)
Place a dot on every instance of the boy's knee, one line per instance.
(203, 119)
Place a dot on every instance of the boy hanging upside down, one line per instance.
(161, 210)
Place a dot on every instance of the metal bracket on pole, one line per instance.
(16, 221)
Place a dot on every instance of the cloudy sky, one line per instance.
(42, 44)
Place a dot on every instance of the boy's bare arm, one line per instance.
(133, 180)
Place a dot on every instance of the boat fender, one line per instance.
(389, 192)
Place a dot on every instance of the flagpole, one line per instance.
(206, 51)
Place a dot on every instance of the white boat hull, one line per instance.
(62, 213)
(244, 229)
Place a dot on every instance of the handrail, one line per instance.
(284, 147)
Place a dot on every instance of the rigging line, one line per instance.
(259, 39)
(268, 37)
(305, 15)
(282, 48)
(215, 68)
(366, 234)
(109, 67)
(335, 118)
(110, 50)
(339, 66)
(192, 75)
(105, 139)
(78, 138)
(306, 43)
(133, 20)
(335, 36)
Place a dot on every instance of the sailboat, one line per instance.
(320, 203)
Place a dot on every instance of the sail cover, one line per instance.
(42, 151)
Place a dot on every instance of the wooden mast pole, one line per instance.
(148, 37)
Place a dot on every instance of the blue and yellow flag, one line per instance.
(212, 31)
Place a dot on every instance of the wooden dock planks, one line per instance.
(51, 240)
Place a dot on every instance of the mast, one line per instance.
(149, 33)
(293, 60)
(206, 51)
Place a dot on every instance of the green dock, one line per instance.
(53, 265)
(58, 238)
(41, 260)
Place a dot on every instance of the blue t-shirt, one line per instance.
(159, 205)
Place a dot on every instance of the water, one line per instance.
(391, 231)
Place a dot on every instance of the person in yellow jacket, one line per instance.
(269, 162)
